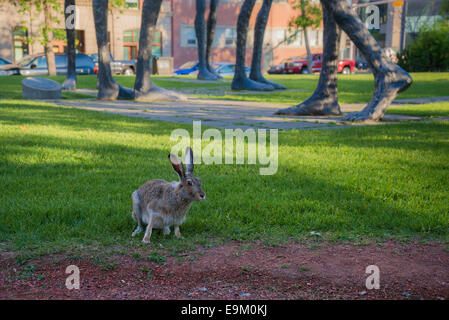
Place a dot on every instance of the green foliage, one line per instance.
(50, 8)
(310, 15)
(430, 50)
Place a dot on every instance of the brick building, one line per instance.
(175, 36)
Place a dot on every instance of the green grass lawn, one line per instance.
(67, 176)
(352, 88)
(422, 110)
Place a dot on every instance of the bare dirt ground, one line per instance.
(241, 271)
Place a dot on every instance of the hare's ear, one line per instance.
(177, 166)
(189, 160)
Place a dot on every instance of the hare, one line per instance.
(161, 204)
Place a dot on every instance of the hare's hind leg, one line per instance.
(177, 232)
(166, 231)
(137, 215)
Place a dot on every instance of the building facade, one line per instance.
(175, 34)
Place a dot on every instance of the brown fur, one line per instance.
(161, 204)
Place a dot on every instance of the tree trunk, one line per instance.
(324, 101)
(108, 89)
(259, 32)
(211, 23)
(241, 81)
(306, 39)
(309, 52)
(150, 12)
(144, 89)
(50, 55)
(390, 79)
(70, 81)
(200, 31)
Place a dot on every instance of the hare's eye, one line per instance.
(189, 182)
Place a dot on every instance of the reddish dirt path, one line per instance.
(245, 271)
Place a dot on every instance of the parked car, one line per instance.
(279, 69)
(7, 68)
(36, 65)
(224, 69)
(125, 67)
(228, 69)
(187, 68)
(361, 64)
(300, 65)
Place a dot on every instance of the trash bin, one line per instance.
(162, 66)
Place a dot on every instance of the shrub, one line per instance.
(429, 52)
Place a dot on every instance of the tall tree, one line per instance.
(46, 32)
(309, 17)
(70, 22)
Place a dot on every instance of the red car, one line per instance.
(300, 65)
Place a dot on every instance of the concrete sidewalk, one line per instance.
(220, 113)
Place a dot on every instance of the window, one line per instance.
(225, 37)
(132, 4)
(157, 44)
(230, 37)
(295, 39)
(20, 41)
(314, 38)
(41, 62)
(188, 36)
(279, 37)
(131, 44)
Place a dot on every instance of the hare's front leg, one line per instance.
(147, 236)
(177, 232)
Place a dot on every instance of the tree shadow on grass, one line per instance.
(406, 136)
(293, 203)
(75, 119)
